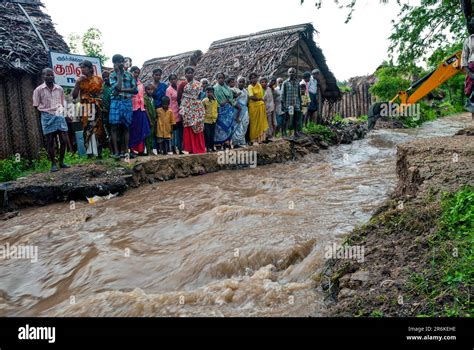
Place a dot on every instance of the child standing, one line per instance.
(305, 102)
(151, 113)
(211, 106)
(166, 122)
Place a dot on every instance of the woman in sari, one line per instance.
(228, 112)
(257, 111)
(238, 138)
(172, 93)
(193, 113)
(140, 128)
(89, 87)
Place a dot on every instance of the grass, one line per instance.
(13, 168)
(441, 282)
(338, 120)
(447, 285)
(315, 129)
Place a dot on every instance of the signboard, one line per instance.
(66, 67)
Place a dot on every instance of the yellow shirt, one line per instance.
(164, 123)
(211, 110)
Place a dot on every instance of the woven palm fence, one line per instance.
(354, 103)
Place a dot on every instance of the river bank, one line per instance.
(417, 248)
(247, 242)
(89, 180)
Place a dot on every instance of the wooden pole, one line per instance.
(298, 58)
(38, 34)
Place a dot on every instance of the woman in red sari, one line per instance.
(193, 113)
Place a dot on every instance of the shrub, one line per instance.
(315, 129)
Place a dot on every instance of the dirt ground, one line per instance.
(396, 240)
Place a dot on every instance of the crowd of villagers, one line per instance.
(179, 117)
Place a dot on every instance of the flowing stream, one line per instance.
(236, 243)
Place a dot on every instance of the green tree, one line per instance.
(418, 29)
(93, 45)
(436, 24)
(89, 44)
(74, 42)
(344, 4)
(390, 80)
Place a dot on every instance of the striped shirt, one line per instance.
(128, 83)
(291, 95)
(49, 101)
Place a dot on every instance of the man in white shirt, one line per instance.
(49, 99)
(313, 85)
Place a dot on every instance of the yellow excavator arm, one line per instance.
(445, 71)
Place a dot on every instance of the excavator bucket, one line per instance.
(375, 113)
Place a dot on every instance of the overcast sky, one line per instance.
(144, 29)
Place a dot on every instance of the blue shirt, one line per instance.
(160, 92)
(128, 83)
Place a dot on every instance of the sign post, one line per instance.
(66, 67)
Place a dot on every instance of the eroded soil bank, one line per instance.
(398, 241)
(92, 180)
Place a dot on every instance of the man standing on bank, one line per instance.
(313, 94)
(49, 99)
(124, 88)
(291, 100)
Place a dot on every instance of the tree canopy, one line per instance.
(90, 44)
(418, 30)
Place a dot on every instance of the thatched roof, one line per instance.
(170, 65)
(21, 49)
(356, 82)
(269, 52)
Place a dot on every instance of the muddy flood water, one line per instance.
(241, 243)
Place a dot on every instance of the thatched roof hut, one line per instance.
(170, 65)
(270, 52)
(22, 56)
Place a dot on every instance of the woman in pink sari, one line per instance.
(140, 128)
(192, 112)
